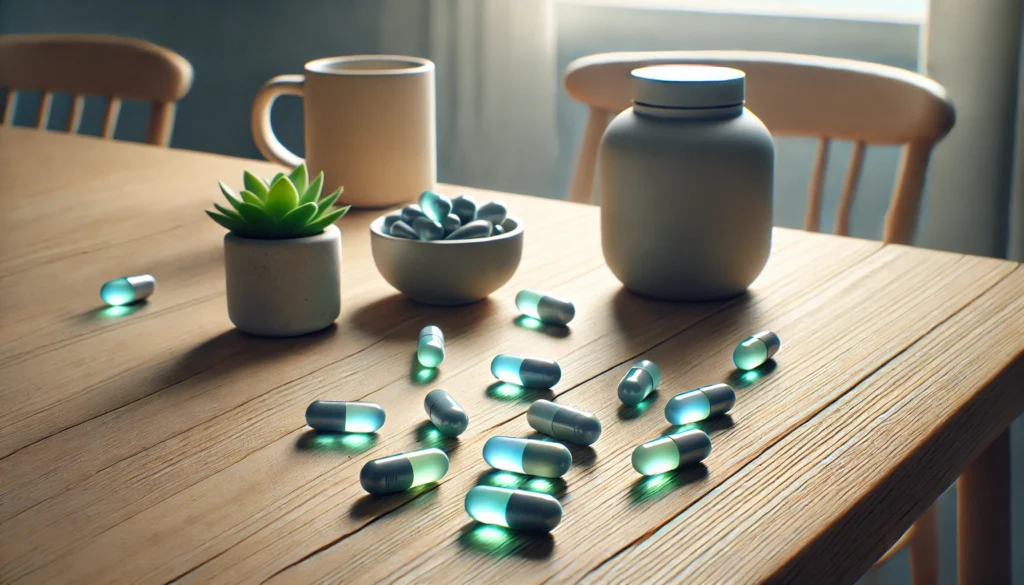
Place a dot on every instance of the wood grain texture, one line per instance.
(163, 446)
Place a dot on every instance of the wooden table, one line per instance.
(156, 443)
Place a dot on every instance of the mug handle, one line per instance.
(262, 133)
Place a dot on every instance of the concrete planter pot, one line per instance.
(281, 288)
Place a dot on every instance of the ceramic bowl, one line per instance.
(447, 272)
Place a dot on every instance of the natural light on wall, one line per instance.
(896, 10)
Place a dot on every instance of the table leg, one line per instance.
(983, 524)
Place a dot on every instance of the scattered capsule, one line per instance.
(639, 381)
(390, 220)
(445, 413)
(451, 223)
(545, 308)
(756, 350)
(403, 471)
(671, 452)
(411, 212)
(427, 229)
(515, 509)
(473, 229)
(430, 349)
(400, 229)
(524, 371)
(345, 417)
(464, 206)
(436, 206)
(564, 423)
(494, 212)
(128, 289)
(529, 456)
(701, 403)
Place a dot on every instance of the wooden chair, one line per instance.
(809, 96)
(114, 67)
(795, 95)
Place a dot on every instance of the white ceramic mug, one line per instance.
(369, 126)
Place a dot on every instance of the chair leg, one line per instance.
(924, 548)
(983, 517)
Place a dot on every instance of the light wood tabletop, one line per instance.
(156, 444)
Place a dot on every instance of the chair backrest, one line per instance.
(795, 95)
(114, 67)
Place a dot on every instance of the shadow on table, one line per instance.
(395, 504)
(656, 486)
(420, 374)
(506, 392)
(233, 351)
(343, 443)
(741, 379)
(627, 412)
(709, 426)
(556, 331)
(554, 487)
(383, 316)
(630, 308)
(500, 542)
(108, 313)
(429, 436)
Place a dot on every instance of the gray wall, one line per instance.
(234, 46)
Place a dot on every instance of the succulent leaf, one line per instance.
(326, 203)
(319, 224)
(228, 212)
(297, 218)
(233, 225)
(281, 198)
(256, 217)
(274, 179)
(249, 197)
(298, 178)
(254, 185)
(312, 194)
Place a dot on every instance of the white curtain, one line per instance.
(975, 194)
(497, 84)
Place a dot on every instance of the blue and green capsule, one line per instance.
(128, 289)
(700, 403)
(671, 452)
(515, 509)
(430, 348)
(528, 456)
(545, 308)
(445, 413)
(403, 471)
(345, 417)
(525, 371)
(639, 382)
(756, 350)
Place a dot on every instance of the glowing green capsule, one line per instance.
(701, 403)
(345, 417)
(523, 371)
(436, 206)
(515, 509)
(756, 350)
(528, 456)
(638, 382)
(671, 452)
(128, 289)
(403, 471)
(545, 308)
(430, 349)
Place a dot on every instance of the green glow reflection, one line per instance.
(428, 435)
(420, 375)
(348, 443)
(527, 322)
(499, 542)
(504, 479)
(118, 311)
(506, 391)
(653, 487)
(747, 378)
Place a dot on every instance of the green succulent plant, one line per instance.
(283, 208)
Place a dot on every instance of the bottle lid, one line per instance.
(688, 86)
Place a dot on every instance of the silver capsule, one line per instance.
(756, 350)
(345, 417)
(411, 212)
(639, 382)
(564, 422)
(445, 413)
(400, 229)
(128, 289)
(545, 308)
(524, 371)
(528, 456)
(403, 471)
(464, 206)
(700, 403)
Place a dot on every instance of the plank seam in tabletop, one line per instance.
(504, 421)
(781, 438)
(949, 262)
(900, 372)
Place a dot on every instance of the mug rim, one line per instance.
(322, 66)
